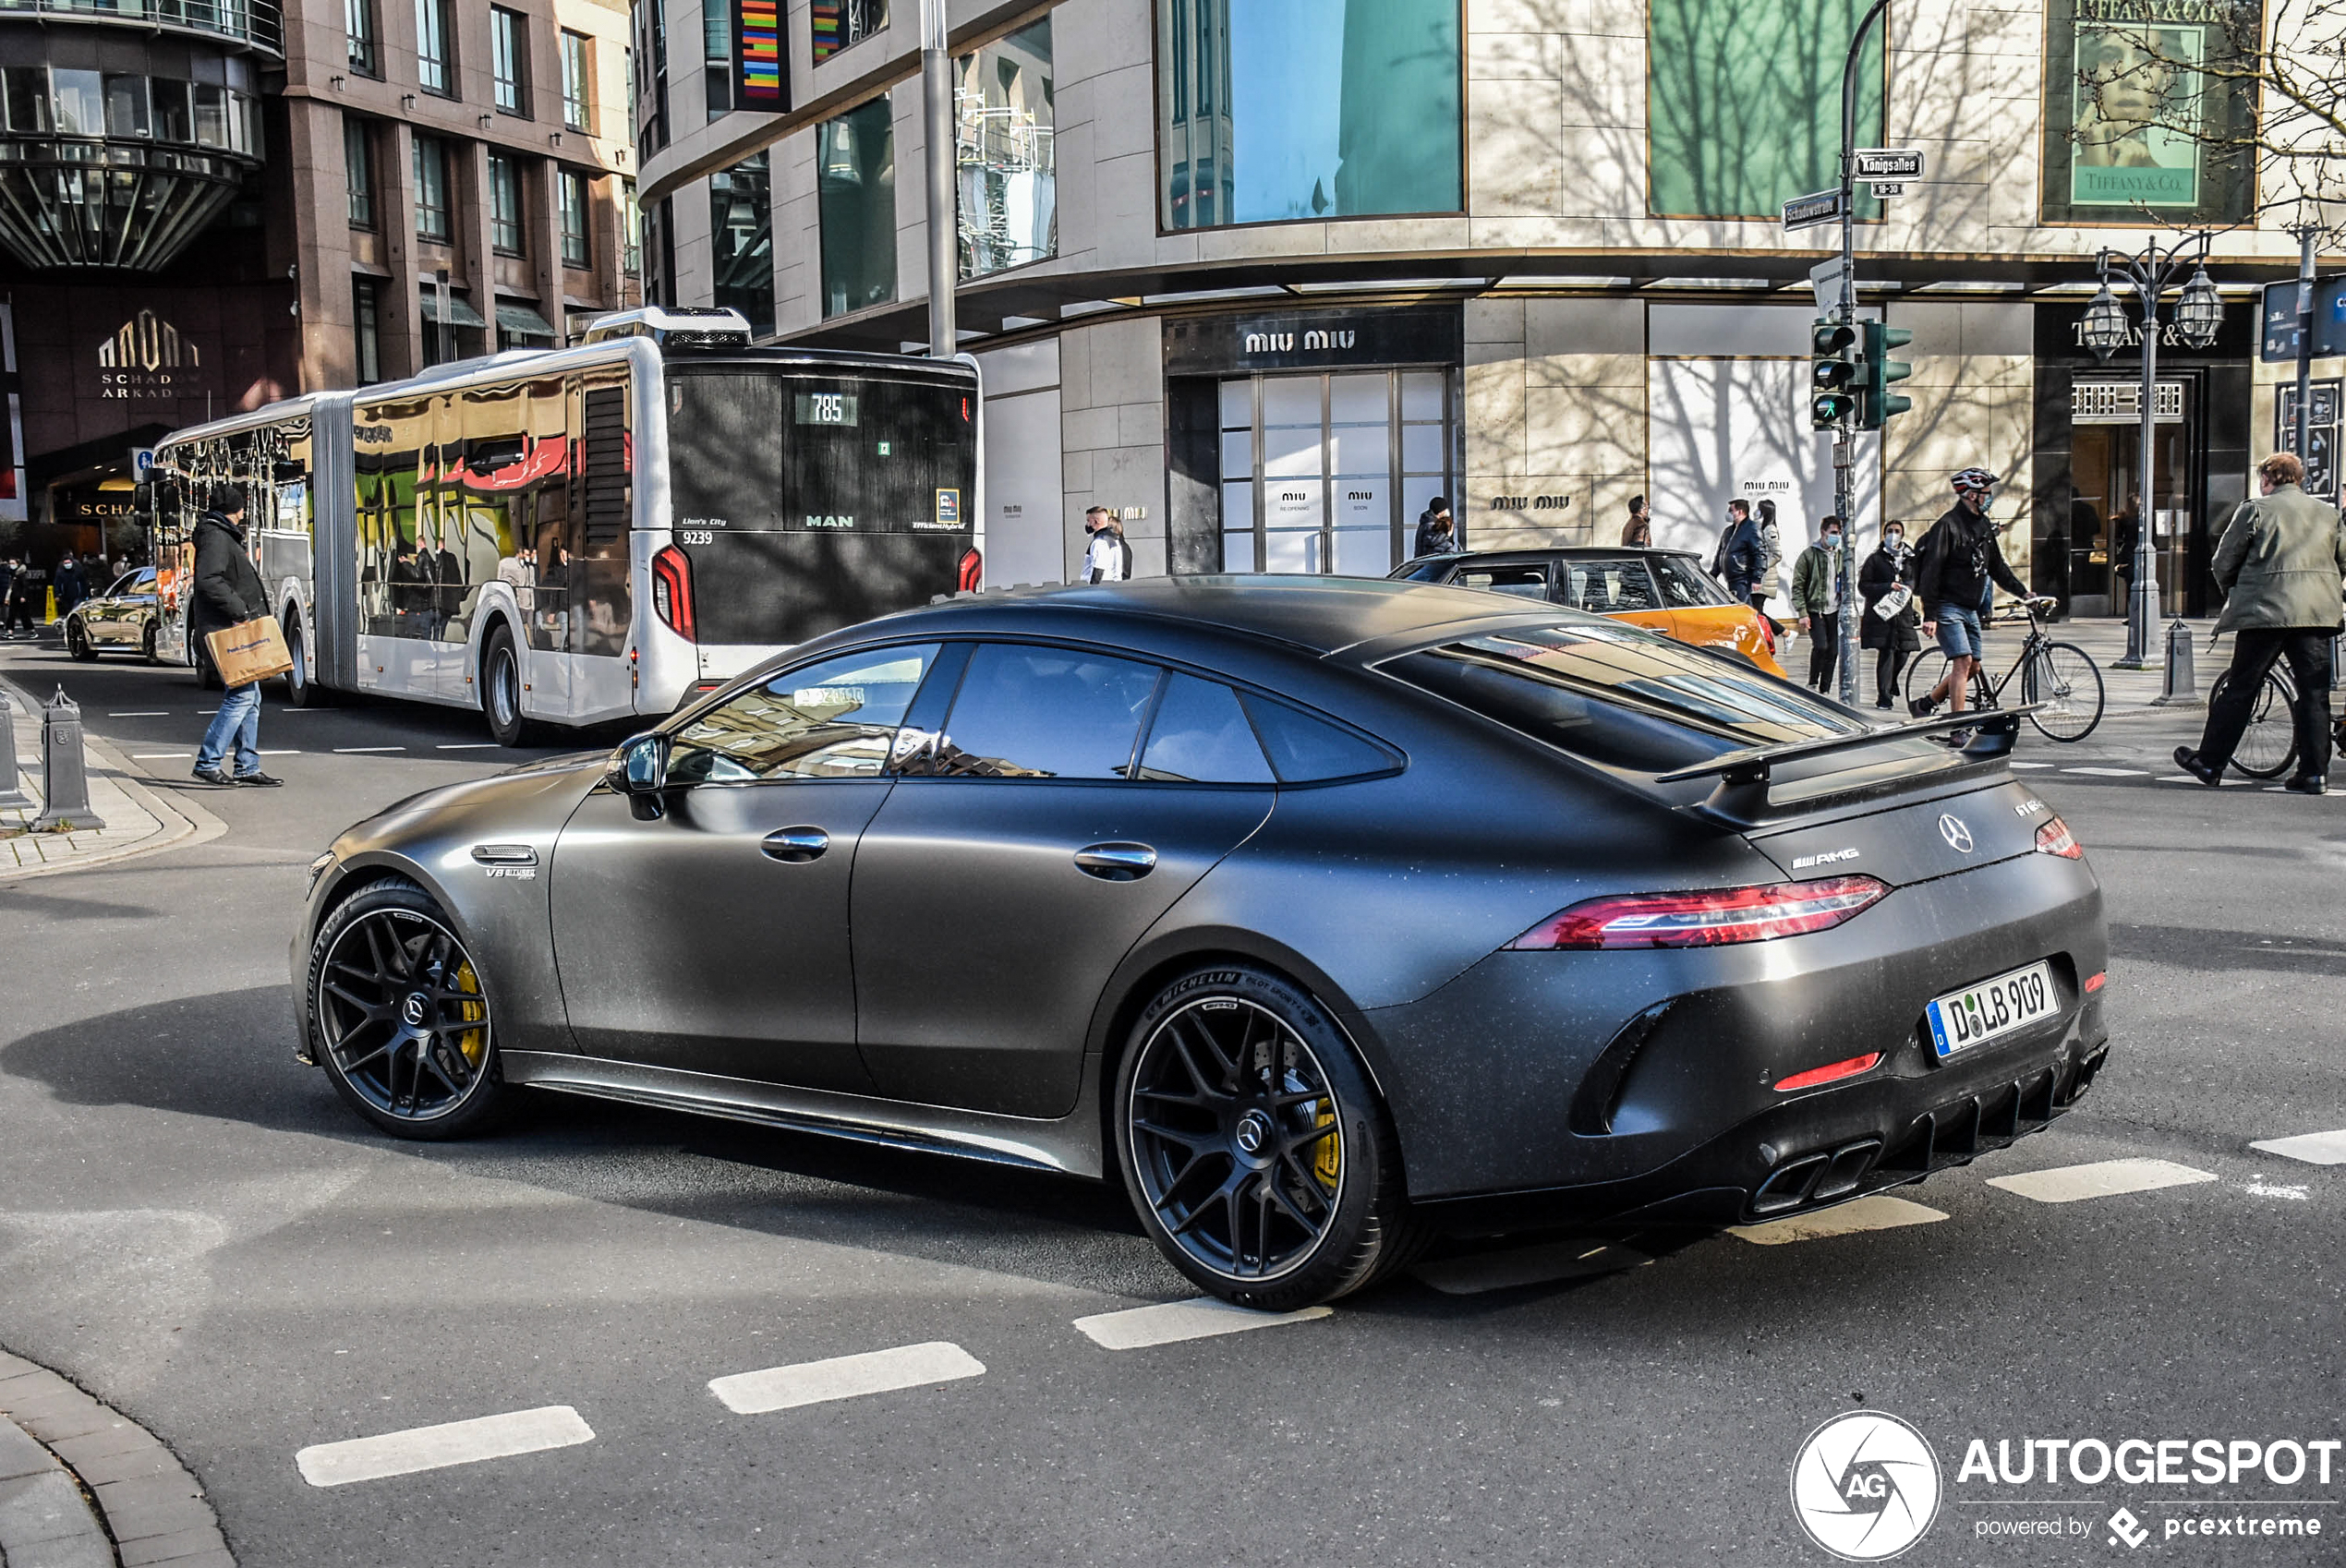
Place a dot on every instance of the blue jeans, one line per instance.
(238, 721)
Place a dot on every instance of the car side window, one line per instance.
(833, 720)
(1202, 736)
(1683, 584)
(1526, 581)
(1034, 712)
(1614, 587)
(1308, 750)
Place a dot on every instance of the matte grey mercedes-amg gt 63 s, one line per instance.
(1328, 914)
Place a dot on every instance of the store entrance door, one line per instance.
(1326, 473)
(2106, 513)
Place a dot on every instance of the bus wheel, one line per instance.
(500, 689)
(147, 646)
(300, 689)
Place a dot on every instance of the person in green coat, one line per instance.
(2280, 563)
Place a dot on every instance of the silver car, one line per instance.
(121, 620)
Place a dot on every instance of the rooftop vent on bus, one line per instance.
(679, 326)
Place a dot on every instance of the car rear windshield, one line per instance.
(1619, 696)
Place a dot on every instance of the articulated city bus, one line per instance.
(572, 535)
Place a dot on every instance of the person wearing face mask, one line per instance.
(1816, 598)
(1957, 577)
(1889, 627)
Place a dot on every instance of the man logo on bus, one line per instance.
(948, 509)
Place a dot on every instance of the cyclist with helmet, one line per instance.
(1956, 576)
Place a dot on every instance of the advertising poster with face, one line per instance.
(2146, 112)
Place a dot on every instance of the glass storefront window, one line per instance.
(1330, 109)
(577, 250)
(835, 24)
(1342, 465)
(175, 115)
(741, 222)
(1002, 153)
(504, 204)
(855, 182)
(1746, 108)
(80, 102)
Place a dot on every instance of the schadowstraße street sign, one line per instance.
(1807, 212)
(1887, 163)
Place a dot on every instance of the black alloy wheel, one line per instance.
(78, 644)
(1255, 1151)
(500, 689)
(399, 1017)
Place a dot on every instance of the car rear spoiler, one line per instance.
(1741, 798)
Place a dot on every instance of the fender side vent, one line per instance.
(1598, 1097)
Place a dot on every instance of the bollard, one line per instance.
(64, 776)
(11, 792)
(2182, 686)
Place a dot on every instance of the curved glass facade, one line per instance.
(118, 151)
(1265, 120)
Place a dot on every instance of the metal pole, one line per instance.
(2141, 606)
(1845, 440)
(936, 134)
(2305, 338)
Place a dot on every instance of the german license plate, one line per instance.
(1991, 1009)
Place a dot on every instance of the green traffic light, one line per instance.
(1876, 402)
(1834, 371)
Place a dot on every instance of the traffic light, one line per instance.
(1833, 370)
(1876, 402)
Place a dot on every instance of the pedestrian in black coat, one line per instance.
(1894, 638)
(228, 592)
(71, 585)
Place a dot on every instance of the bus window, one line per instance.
(808, 502)
(395, 597)
(603, 601)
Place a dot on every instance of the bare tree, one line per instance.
(2234, 79)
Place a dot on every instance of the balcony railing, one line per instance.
(256, 22)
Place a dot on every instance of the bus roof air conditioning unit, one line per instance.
(683, 326)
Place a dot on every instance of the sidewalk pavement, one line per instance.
(137, 820)
(82, 1486)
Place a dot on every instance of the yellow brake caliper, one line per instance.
(473, 1041)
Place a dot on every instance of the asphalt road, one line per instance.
(194, 1228)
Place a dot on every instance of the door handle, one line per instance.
(795, 845)
(1116, 862)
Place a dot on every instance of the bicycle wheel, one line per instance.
(2269, 745)
(1925, 671)
(2065, 678)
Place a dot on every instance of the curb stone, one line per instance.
(83, 1487)
(182, 822)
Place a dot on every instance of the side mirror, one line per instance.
(639, 771)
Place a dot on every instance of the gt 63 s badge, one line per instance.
(1865, 1486)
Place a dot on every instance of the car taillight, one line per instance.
(1705, 919)
(1832, 1072)
(971, 573)
(672, 590)
(2054, 838)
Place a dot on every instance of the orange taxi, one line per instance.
(1665, 589)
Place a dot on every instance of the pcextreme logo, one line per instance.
(1865, 1486)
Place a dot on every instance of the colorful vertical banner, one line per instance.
(758, 56)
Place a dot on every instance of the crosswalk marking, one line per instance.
(142, 713)
(2111, 772)
(345, 750)
(2313, 1148)
(2103, 1178)
(161, 756)
(467, 746)
(1476, 1272)
(2032, 765)
(1879, 1212)
(844, 1376)
(436, 1448)
(1140, 1327)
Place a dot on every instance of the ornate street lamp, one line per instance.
(2199, 316)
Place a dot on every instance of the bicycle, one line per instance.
(2061, 677)
(2268, 746)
